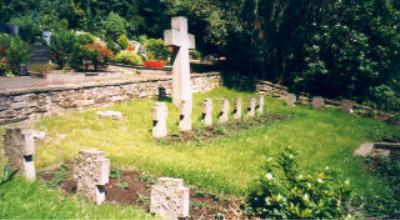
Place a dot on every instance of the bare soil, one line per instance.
(133, 188)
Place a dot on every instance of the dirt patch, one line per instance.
(133, 188)
(199, 135)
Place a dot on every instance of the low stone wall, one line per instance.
(34, 103)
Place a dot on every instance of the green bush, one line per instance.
(123, 41)
(285, 192)
(61, 46)
(114, 26)
(89, 56)
(155, 49)
(195, 54)
(128, 57)
(13, 53)
(85, 38)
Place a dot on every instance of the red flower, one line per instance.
(154, 64)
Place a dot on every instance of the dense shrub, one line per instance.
(85, 38)
(195, 54)
(285, 192)
(156, 49)
(129, 57)
(13, 53)
(123, 41)
(61, 46)
(114, 26)
(89, 56)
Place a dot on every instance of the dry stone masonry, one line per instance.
(237, 111)
(160, 115)
(207, 117)
(20, 149)
(251, 107)
(261, 104)
(170, 199)
(318, 102)
(224, 113)
(185, 117)
(91, 172)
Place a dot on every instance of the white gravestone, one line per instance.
(185, 120)
(224, 113)
(237, 111)
(260, 104)
(318, 102)
(170, 199)
(91, 172)
(20, 149)
(207, 117)
(160, 115)
(179, 37)
(251, 107)
(112, 115)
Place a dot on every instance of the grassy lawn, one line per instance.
(223, 165)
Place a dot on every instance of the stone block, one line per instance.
(251, 107)
(170, 199)
(110, 115)
(318, 102)
(20, 149)
(237, 111)
(160, 115)
(290, 99)
(91, 172)
(185, 117)
(261, 104)
(347, 106)
(224, 113)
(207, 116)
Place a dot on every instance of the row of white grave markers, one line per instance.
(160, 114)
(318, 102)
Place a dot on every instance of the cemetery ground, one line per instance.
(225, 165)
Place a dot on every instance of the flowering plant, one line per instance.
(285, 192)
(154, 64)
(95, 55)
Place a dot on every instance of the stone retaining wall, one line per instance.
(34, 103)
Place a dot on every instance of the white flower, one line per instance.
(319, 180)
(347, 182)
(300, 177)
(269, 176)
(306, 197)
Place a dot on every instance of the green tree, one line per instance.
(114, 26)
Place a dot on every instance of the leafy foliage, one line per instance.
(7, 176)
(155, 49)
(13, 53)
(90, 55)
(123, 41)
(61, 46)
(114, 26)
(285, 192)
(128, 57)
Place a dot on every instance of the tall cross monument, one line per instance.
(179, 37)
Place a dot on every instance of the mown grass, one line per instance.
(22, 200)
(223, 165)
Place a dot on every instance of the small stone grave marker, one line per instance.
(251, 108)
(20, 149)
(112, 115)
(224, 113)
(207, 112)
(290, 99)
(237, 111)
(160, 115)
(91, 172)
(185, 120)
(318, 102)
(170, 199)
(260, 104)
(347, 105)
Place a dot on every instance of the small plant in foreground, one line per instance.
(115, 174)
(7, 176)
(285, 192)
(122, 185)
(60, 176)
(144, 200)
(148, 179)
(200, 205)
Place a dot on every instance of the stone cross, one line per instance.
(20, 148)
(179, 37)
(91, 172)
(185, 120)
(347, 105)
(318, 102)
(170, 199)
(224, 113)
(160, 115)
(207, 117)
(251, 107)
(237, 111)
(290, 99)
(260, 105)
